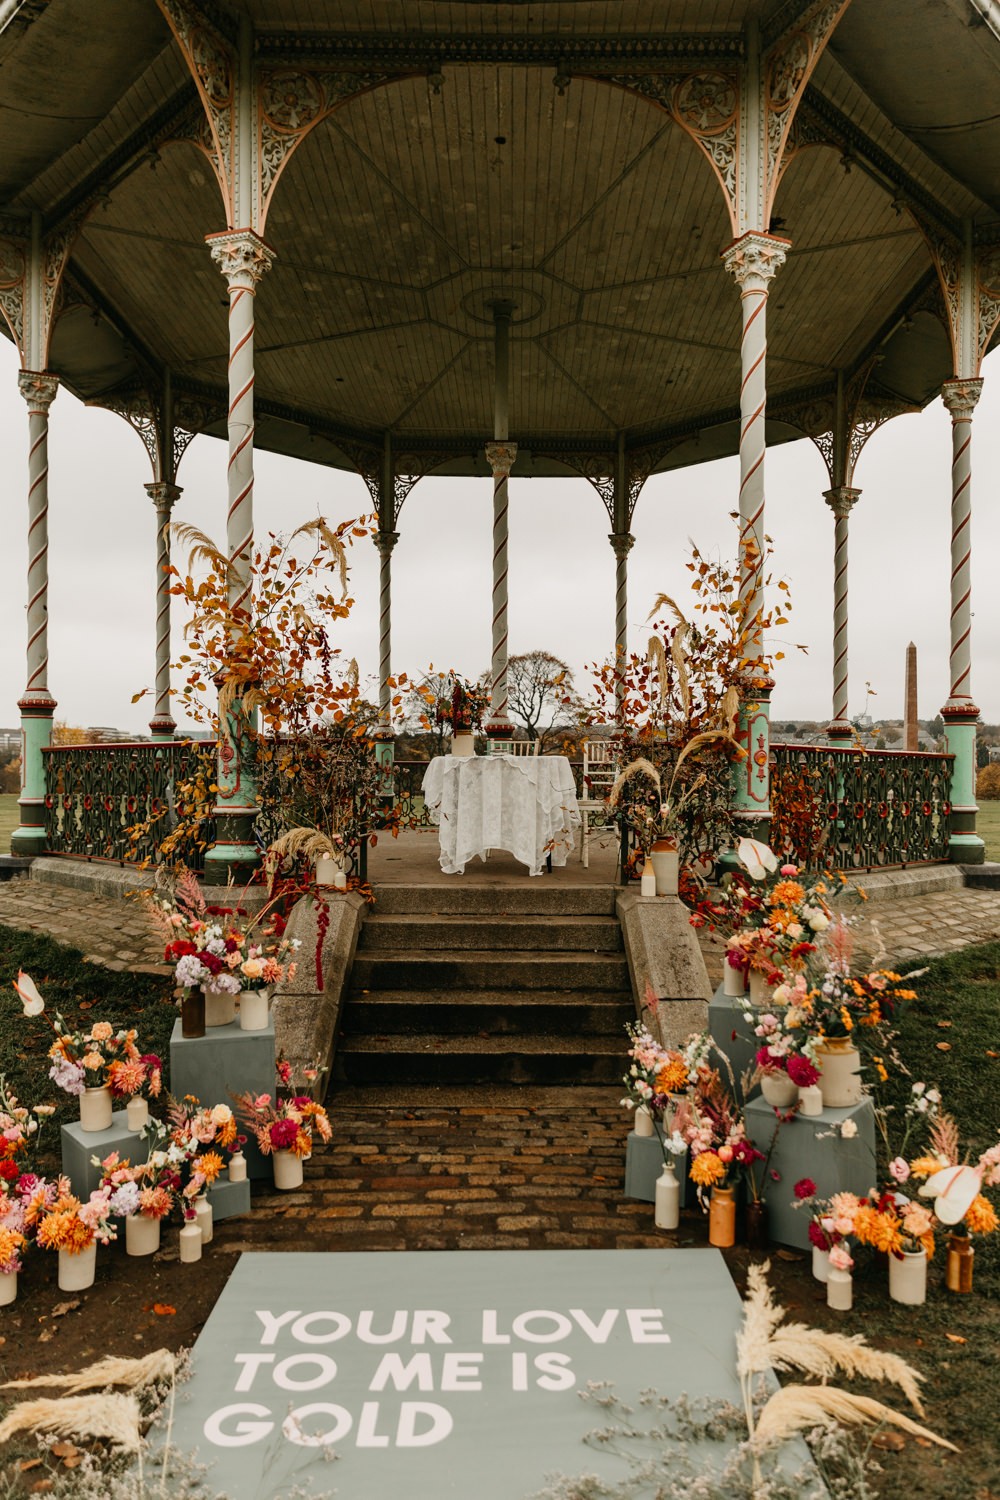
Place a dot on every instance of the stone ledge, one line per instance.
(101, 878)
(306, 1019)
(13, 867)
(897, 885)
(984, 877)
(663, 952)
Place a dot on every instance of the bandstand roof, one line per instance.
(471, 176)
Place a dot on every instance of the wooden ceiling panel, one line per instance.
(545, 17)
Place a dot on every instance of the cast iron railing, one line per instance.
(98, 796)
(883, 808)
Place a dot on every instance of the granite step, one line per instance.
(478, 969)
(489, 1013)
(555, 931)
(534, 899)
(539, 1061)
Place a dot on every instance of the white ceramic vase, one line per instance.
(908, 1277)
(254, 1009)
(839, 1290)
(760, 990)
(839, 1062)
(330, 872)
(666, 867)
(142, 1235)
(667, 1211)
(190, 1242)
(137, 1114)
(811, 1100)
(463, 744)
(204, 1219)
(77, 1272)
(821, 1264)
(220, 1010)
(237, 1167)
(95, 1110)
(733, 980)
(287, 1170)
(8, 1288)
(779, 1090)
(643, 1121)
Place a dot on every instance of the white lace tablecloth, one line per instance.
(525, 804)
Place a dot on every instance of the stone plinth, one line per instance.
(79, 1145)
(732, 1033)
(643, 1165)
(229, 1199)
(223, 1062)
(811, 1146)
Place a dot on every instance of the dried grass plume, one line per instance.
(112, 1419)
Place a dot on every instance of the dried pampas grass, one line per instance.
(112, 1419)
(797, 1406)
(796, 1347)
(302, 841)
(133, 1374)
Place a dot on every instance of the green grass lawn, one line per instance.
(9, 819)
(988, 827)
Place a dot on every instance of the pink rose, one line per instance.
(899, 1169)
(840, 1259)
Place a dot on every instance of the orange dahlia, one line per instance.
(982, 1216)
(707, 1169)
(673, 1076)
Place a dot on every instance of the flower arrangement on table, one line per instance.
(785, 1046)
(655, 815)
(80, 1059)
(149, 1189)
(213, 952)
(711, 1125)
(655, 1072)
(462, 710)
(203, 1136)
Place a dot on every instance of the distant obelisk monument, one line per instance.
(910, 733)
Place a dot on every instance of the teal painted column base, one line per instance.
(234, 857)
(751, 777)
(30, 839)
(965, 847)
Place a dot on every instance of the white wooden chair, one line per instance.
(599, 772)
(512, 747)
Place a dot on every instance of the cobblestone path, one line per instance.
(107, 930)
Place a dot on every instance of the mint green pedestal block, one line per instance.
(229, 1199)
(643, 1165)
(223, 1062)
(811, 1146)
(79, 1145)
(732, 1034)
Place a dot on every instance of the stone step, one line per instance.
(598, 934)
(477, 969)
(537, 898)
(489, 1013)
(542, 1061)
(343, 1099)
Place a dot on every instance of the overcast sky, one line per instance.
(102, 578)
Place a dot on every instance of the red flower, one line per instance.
(180, 948)
(283, 1134)
(9, 1170)
(801, 1071)
(804, 1188)
(817, 1236)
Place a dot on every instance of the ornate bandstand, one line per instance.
(559, 238)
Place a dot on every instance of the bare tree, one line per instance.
(541, 693)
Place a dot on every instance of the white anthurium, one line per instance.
(27, 990)
(953, 1190)
(756, 858)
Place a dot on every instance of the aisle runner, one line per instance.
(444, 1374)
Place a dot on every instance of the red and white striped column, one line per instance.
(753, 260)
(243, 257)
(960, 713)
(841, 501)
(164, 496)
(385, 541)
(500, 456)
(36, 703)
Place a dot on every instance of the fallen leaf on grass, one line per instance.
(62, 1308)
(955, 1338)
(890, 1442)
(925, 1442)
(40, 1486)
(943, 1046)
(164, 1310)
(73, 1461)
(990, 1053)
(46, 1334)
(788, 1255)
(65, 1450)
(29, 1463)
(944, 1025)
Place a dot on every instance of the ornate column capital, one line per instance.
(385, 541)
(38, 389)
(754, 259)
(622, 543)
(842, 500)
(163, 494)
(242, 257)
(960, 397)
(500, 457)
